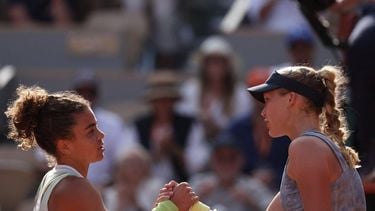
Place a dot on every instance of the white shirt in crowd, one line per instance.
(189, 103)
(285, 15)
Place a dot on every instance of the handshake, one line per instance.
(178, 197)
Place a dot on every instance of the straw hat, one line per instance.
(162, 84)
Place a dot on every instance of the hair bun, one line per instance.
(24, 113)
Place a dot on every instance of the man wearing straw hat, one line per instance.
(175, 141)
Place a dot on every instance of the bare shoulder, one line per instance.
(75, 193)
(308, 146)
(309, 155)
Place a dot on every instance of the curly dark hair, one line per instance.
(37, 117)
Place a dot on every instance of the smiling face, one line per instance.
(86, 145)
(276, 112)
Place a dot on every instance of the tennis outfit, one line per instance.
(347, 191)
(50, 180)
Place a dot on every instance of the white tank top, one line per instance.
(50, 180)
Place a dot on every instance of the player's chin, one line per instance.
(274, 133)
(270, 131)
(98, 158)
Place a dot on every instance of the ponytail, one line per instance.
(333, 122)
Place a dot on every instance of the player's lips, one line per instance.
(101, 147)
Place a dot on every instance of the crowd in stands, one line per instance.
(147, 27)
(205, 128)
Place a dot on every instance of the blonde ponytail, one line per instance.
(334, 124)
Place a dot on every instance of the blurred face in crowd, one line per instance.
(163, 106)
(227, 162)
(301, 53)
(216, 67)
(132, 169)
(88, 91)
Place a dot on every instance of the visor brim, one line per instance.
(258, 91)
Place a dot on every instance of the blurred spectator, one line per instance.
(215, 97)
(58, 12)
(225, 187)
(137, 31)
(134, 188)
(2, 11)
(301, 47)
(130, 20)
(175, 141)
(276, 15)
(170, 34)
(100, 173)
(265, 157)
(360, 65)
(205, 16)
(106, 4)
(300, 44)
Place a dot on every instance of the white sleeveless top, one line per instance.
(50, 180)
